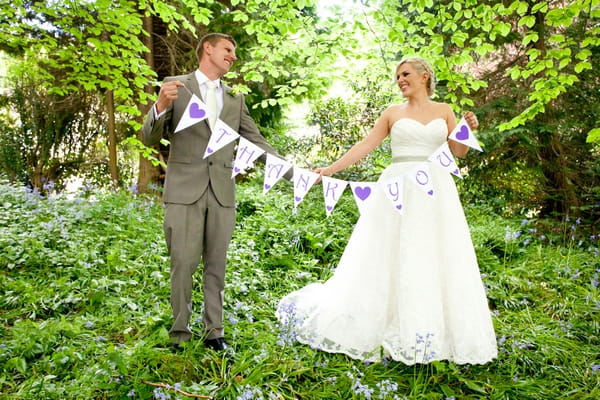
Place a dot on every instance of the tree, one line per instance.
(528, 57)
(99, 48)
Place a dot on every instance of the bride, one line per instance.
(408, 285)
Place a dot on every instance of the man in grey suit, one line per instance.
(199, 194)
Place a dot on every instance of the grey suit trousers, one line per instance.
(198, 231)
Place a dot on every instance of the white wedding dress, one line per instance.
(408, 285)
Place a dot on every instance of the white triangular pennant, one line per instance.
(220, 137)
(421, 177)
(247, 153)
(363, 194)
(394, 190)
(332, 191)
(443, 158)
(195, 112)
(463, 134)
(303, 181)
(275, 168)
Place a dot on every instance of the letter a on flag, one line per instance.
(275, 168)
(303, 181)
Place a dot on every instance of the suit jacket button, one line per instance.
(210, 163)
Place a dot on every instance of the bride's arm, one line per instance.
(361, 149)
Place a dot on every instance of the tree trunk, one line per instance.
(112, 139)
(147, 173)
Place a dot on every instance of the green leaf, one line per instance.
(593, 136)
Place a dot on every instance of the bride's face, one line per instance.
(409, 80)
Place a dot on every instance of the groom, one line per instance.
(199, 194)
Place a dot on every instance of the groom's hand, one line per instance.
(167, 94)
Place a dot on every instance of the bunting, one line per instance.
(303, 179)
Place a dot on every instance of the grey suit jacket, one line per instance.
(188, 175)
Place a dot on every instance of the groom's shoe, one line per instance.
(218, 344)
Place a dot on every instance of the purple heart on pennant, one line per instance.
(297, 198)
(430, 193)
(362, 193)
(455, 172)
(209, 150)
(196, 111)
(463, 134)
(236, 170)
(267, 186)
(399, 206)
(329, 208)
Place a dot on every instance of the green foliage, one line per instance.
(85, 313)
(343, 122)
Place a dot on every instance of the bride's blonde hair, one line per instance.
(423, 67)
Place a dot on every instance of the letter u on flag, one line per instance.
(443, 158)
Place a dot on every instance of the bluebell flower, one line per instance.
(596, 369)
(359, 389)
(251, 393)
(289, 323)
(89, 324)
(48, 186)
(386, 387)
(131, 393)
(501, 340)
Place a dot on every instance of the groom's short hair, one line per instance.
(213, 39)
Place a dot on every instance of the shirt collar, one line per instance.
(202, 79)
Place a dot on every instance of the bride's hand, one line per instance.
(323, 171)
(471, 119)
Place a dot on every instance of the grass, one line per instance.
(85, 287)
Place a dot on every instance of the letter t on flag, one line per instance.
(221, 136)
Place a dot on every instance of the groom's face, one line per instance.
(221, 56)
